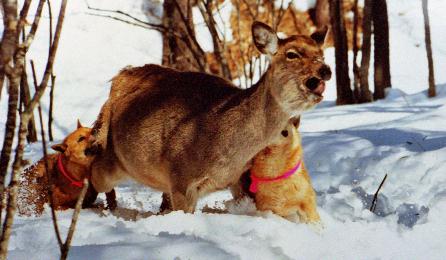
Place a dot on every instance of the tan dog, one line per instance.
(68, 168)
(279, 181)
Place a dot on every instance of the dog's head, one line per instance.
(288, 143)
(296, 65)
(75, 145)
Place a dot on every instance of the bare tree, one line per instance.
(14, 73)
(365, 95)
(427, 37)
(344, 92)
(381, 48)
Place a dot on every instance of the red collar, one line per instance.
(256, 180)
(61, 168)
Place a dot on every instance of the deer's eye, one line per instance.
(82, 138)
(292, 54)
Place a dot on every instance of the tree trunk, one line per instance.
(344, 92)
(381, 51)
(356, 90)
(365, 95)
(8, 48)
(322, 13)
(427, 36)
(179, 50)
(25, 97)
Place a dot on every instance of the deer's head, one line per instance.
(297, 69)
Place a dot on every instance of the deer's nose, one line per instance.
(324, 72)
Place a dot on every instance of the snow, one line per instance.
(347, 150)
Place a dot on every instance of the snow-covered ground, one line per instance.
(348, 150)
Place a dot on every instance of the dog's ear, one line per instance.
(320, 35)
(59, 147)
(79, 125)
(265, 38)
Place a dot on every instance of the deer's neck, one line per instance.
(270, 111)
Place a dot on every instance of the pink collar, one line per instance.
(256, 180)
(66, 174)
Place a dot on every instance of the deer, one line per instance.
(188, 134)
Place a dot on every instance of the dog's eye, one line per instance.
(284, 133)
(82, 138)
(291, 55)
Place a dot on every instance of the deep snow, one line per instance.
(348, 150)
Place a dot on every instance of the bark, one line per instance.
(381, 50)
(8, 48)
(344, 92)
(356, 90)
(322, 13)
(181, 52)
(365, 95)
(427, 36)
(25, 97)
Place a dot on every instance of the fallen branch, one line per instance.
(375, 197)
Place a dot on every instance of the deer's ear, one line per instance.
(59, 147)
(265, 38)
(320, 35)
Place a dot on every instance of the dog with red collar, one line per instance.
(68, 168)
(278, 180)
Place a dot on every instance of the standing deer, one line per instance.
(188, 133)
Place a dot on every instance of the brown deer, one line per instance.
(189, 134)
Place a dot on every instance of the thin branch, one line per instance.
(53, 78)
(23, 15)
(375, 197)
(51, 56)
(48, 174)
(77, 209)
(32, 32)
(124, 21)
(153, 25)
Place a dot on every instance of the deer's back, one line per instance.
(167, 117)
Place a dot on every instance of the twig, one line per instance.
(123, 20)
(48, 174)
(32, 32)
(50, 109)
(53, 78)
(77, 209)
(375, 197)
(159, 27)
